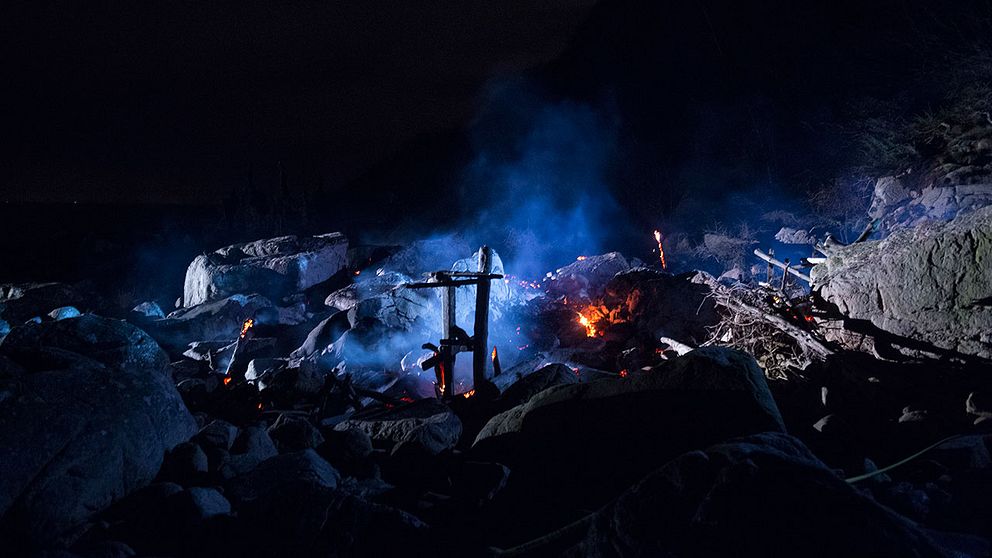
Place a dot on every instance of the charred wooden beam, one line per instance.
(480, 355)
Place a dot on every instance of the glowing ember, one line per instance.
(495, 355)
(587, 323)
(227, 380)
(358, 272)
(259, 406)
(661, 250)
(581, 258)
(623, 373)
(468, 393)
(249, 323)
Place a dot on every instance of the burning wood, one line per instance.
(661, 249)
(247, 325)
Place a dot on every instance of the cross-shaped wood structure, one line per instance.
(454, 339)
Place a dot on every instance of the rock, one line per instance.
(252, 446)
(285, 383)
(399, 309)
(907, 202)
(523, 389)
(218, 320)
(926, 288)
(963, 453)
(629, 426)
(348, 450)
(185, 464)
(272, 267)
(198, 503)
(978, 404)
(293, 433)
(21, 302)
(319, 521)
(205, 351)
(149, 309)
(749, 497)
(118, 414)
(586, 278)
(477, 482)
(365, 287)
(501, 297)
(427, 422)
(832, 425)
(184, 369)
(64, 312)
(218, 434)
(424, 256)
(320, 337)
(675, 306)
(283, 473)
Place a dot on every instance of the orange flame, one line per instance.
(468, 393)
(587, 323)
(249, 323)
(581, 258)
(661, 250)
(227, 380)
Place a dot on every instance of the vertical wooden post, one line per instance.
(785, 275)
(446, 352)
(480, 350)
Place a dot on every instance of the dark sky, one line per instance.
(181, 101)
(173, 101)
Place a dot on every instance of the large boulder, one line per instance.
(590, 440)
(272, 267)
(928, 288)
(764, 495)
(87, 420)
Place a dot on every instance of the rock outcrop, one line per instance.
(929, 288)
(272, 267)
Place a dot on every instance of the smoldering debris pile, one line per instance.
(293, 406)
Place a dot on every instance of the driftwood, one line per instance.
(803, 338)
(782, 265)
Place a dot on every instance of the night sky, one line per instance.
(173, 101)
(409, 116)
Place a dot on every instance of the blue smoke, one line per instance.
(537, 189)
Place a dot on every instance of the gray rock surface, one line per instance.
(273, 267)
(900, 203)
(98, 409)
(931, 286)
